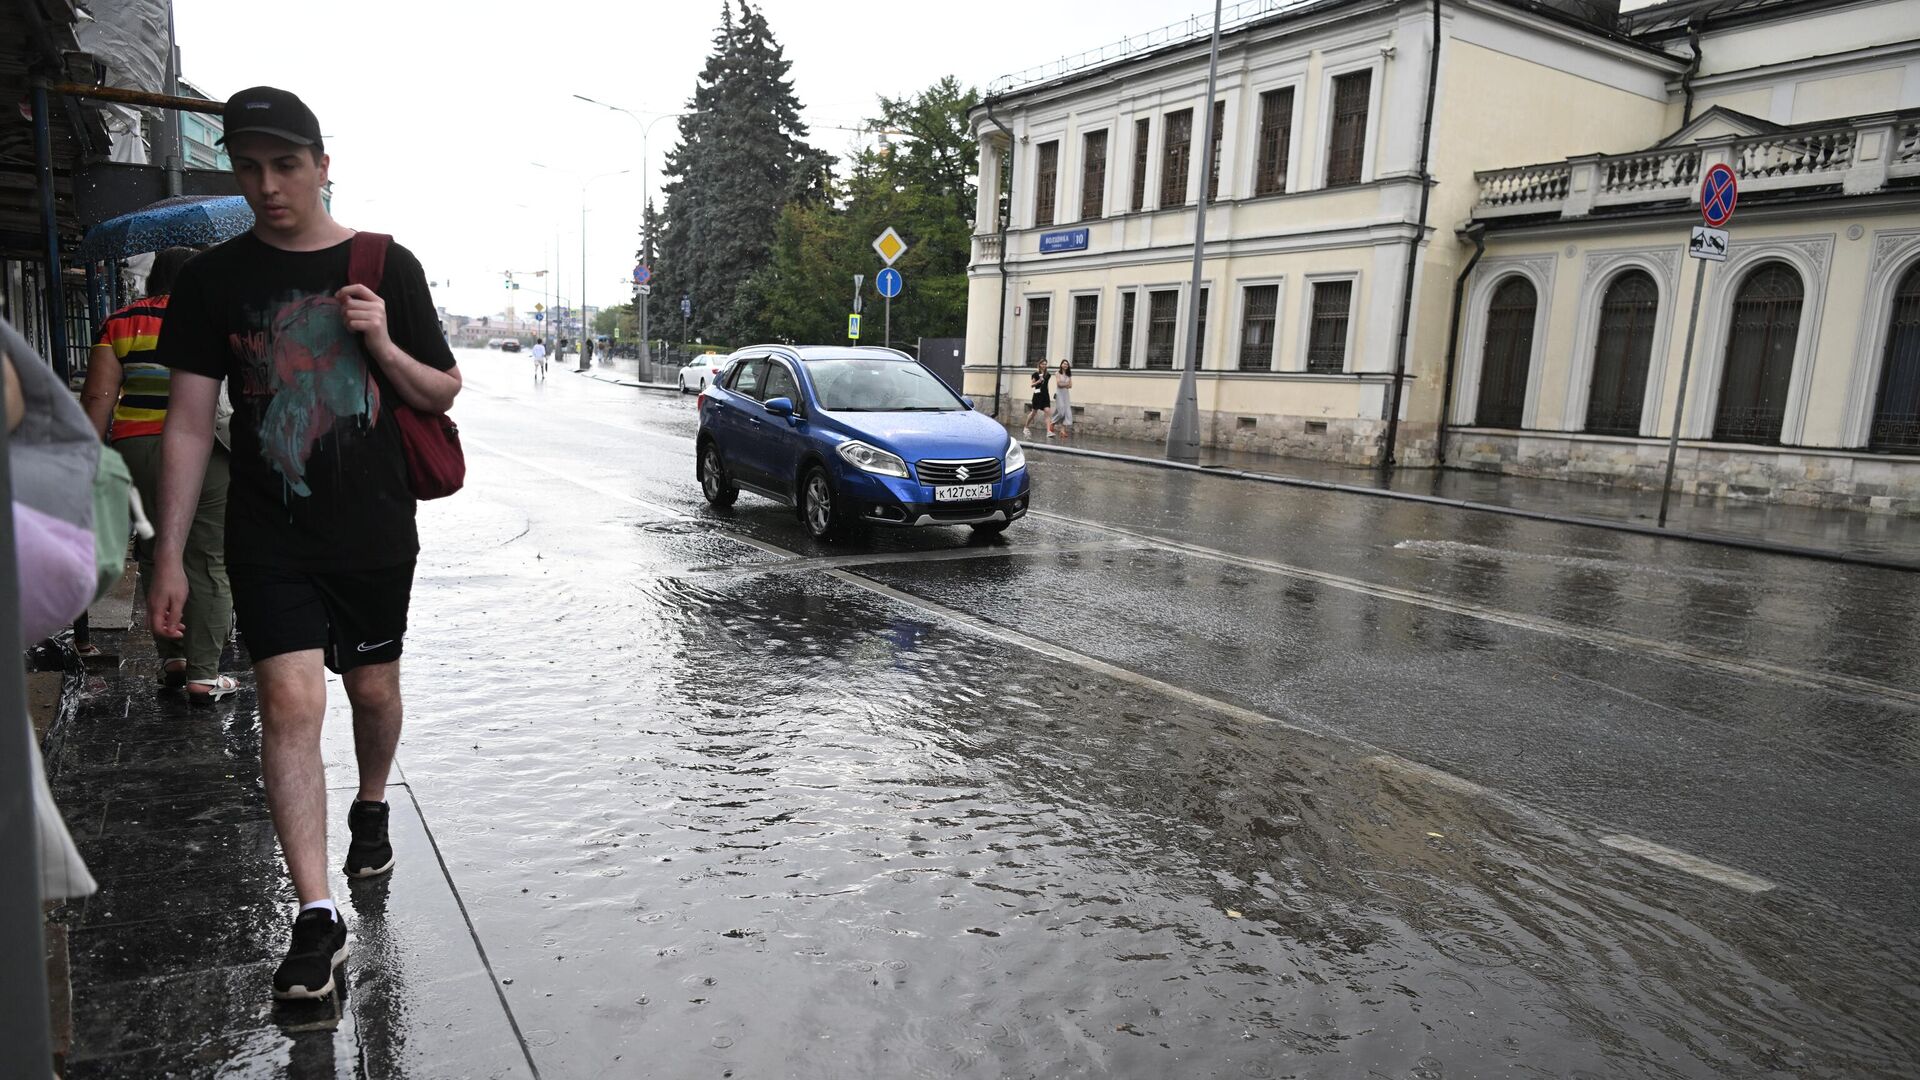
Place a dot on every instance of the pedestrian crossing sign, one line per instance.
(853, 327)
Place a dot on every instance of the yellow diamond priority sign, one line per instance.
(890, 246)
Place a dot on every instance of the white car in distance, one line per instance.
(700, 374)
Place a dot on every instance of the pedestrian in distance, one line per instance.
(125, 397)
(321, 540)
(539, 359)
(1037, 406)
(1062, 419)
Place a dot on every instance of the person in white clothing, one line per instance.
(539, 359)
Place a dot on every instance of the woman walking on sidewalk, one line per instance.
(1038, 406)
(126, 397)
(1062, 403)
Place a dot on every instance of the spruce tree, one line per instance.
(742, 157)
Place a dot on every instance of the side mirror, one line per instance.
(967, 401)
(780, 406)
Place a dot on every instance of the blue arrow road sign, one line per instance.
(888, 282)
(539, 316)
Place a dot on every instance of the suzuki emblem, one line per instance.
(961, 472)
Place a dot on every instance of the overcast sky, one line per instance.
(434, 112)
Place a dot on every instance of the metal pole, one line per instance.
(56, 300)
(641, 300)
(584, 328)
(1183, 432)
(889, 332)
(1680, 405)
(24, 1022)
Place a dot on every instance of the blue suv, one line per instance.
(855, 435)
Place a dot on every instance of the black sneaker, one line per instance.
(368, 853)
(320, 945)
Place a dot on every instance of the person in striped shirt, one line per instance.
(126, 398)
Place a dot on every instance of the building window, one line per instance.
(1256, 327)
(1276, 137)
(1213, 151)
(1347, 142)
(1127, 307)
(1045, 176)
(1896, 414)
(1140, 129)
(1039, 315)
(1617, 395)
(1086, 328)
(1093, 175)
(1327, 339)
(1163, 317)
(1507, 354)
(1200, 332)
(1759, 363)
(1175, 157)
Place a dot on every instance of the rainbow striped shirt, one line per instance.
(144, 386)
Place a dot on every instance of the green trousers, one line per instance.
(209, 614)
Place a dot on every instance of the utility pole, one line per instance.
(1183, 431)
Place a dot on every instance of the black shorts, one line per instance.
(357, 617)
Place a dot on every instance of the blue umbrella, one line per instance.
(182, 221)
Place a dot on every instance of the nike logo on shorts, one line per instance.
(363, 647)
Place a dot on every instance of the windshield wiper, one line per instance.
(924, 408)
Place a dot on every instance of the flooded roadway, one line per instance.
(1187, 778)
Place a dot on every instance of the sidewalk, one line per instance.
(172, 960)
(1874, 539)
(626, 371)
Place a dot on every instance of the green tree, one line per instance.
(742, 157)
(921, 182)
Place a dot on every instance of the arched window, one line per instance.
(1507, 354)
(1759, 361)
(1621, 353)
(1896, 413)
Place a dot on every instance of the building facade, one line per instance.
(1322, 287)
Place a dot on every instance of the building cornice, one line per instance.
(1767, 76)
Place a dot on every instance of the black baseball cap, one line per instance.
(270, 111)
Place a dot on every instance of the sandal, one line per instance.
(173, 678)
(204, 694)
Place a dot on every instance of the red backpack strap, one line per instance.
(367, 259)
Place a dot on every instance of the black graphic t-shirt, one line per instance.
(319, 473)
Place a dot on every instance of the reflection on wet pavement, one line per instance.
(720, 801)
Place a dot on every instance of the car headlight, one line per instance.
(872, 459)
(1016, 457)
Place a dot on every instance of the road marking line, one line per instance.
(1593, 635)
(828, 562)
(1691, 864)
(1377, 757)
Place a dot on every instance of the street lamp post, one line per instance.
(581, 301)
(1183, 432)
(646, 172)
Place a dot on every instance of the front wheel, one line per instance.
(819, 511)
(714, 484)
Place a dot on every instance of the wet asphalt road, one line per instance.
(1186, 777)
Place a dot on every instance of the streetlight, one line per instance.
(584, 328)
(646, 128)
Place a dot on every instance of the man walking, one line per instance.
(539, 359)
(320, 526)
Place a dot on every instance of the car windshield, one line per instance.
(861, 384)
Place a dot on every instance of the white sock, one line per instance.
(327, 904)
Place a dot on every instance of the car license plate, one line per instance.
(963, 493)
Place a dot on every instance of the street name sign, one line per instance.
(1709, 244)
(1719, 194)
(889, 246)
(888, 281)
(1066, 240)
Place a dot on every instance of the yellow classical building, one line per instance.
(1528, 317)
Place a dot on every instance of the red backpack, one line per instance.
(436, 466)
